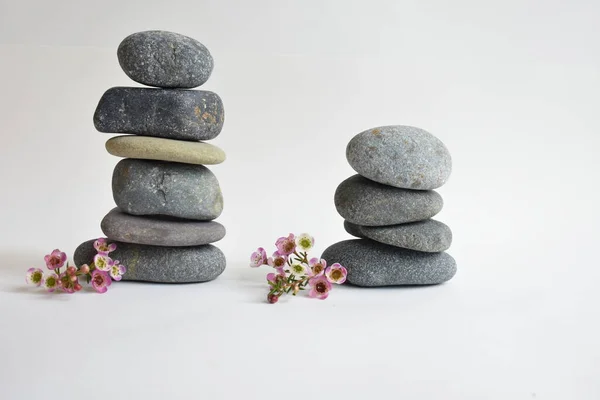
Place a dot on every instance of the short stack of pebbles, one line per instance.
(389, 206)
(166, 198)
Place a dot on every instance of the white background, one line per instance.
(511, 87)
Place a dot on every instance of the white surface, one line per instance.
(511, 87)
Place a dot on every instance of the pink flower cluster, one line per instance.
(294, 271)
(99, 273)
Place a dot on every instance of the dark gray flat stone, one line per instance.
(429, 236)
(400, 156)
(371, 264)
(170, 114)
(165, 59)
(161, 264)
(364, 202)
(145, 187)
(160, 231)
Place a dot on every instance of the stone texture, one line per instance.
(429, 236)
(400, 156)
(165, 59)
(370, 263)
(150, 148)
(144, 187)
(161, 264)
(364, 202)
(160, 231)
(171, 114)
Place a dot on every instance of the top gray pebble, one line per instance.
(165, 59)
(401, 156)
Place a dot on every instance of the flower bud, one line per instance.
(85, 269)
(77, 287)
(71, 270)
(272, 298)
(73, 278)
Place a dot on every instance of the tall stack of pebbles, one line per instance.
(165, 195)
(389, 206)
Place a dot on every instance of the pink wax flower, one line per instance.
(278, 277)
(102, 247)
(52, 282)
(295, 271)
(103, 262)
(336, 273)
(258, 258)
(277, 260)
(35, 276)
(286, 245)
(100, 281)
(117, 270)
(102, 269)
(319, 287)
(316, 267)
(55, 260)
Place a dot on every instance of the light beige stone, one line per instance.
(152, 148)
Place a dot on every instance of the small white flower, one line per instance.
(305, 242)
(51, 282)
(297, 269)
(103, 262)
(35, 276)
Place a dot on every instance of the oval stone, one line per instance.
(144, 187)
(170, 114)
(160, 231)
(151, 148)
(372, 264)
(165, 59)
(400, 156)
(161, 264)
(429, 236)
(364, 202)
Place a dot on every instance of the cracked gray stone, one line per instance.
(145, 187)
(364, 202)
(429, 236)
(373, 264)
(160, 231)
(170, 114)
(165, 59)
(161, 264)
(401, 156)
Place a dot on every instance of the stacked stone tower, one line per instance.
(165, 195)
(388, 205)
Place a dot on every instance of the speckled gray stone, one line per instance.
(161, 264)
(160, 231)
(429, 236)
(354, 230)
(364, 202)
(145, 187)
(370, 263)
(170, 114)
(165, 59)
(400, 156)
